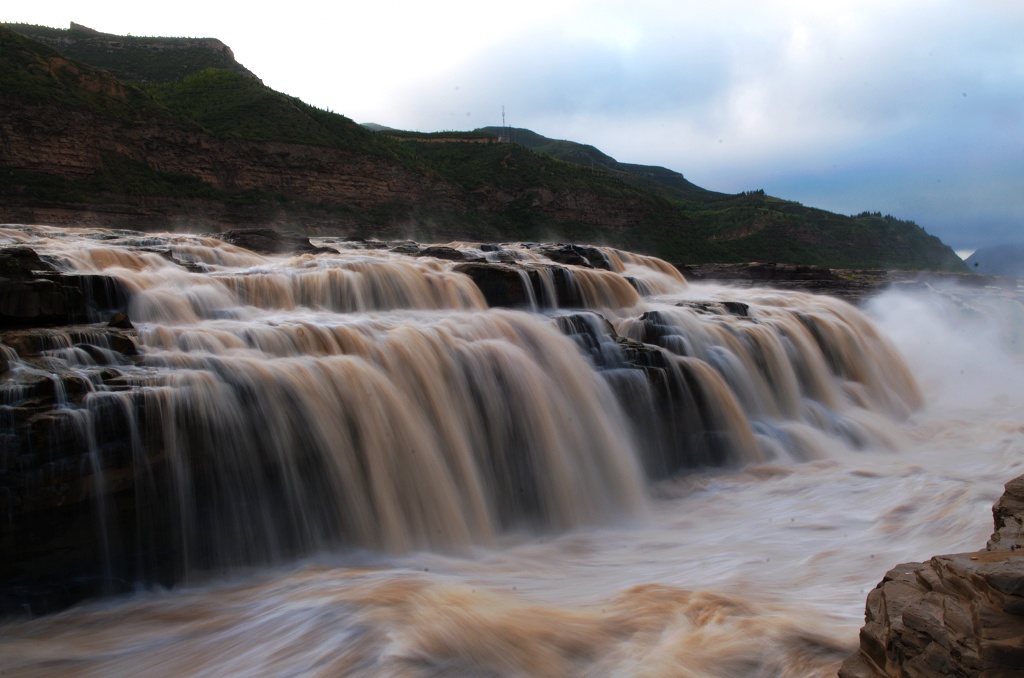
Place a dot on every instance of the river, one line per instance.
(422, 544)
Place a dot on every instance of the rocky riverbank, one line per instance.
(955, 615)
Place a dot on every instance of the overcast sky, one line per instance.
(913, 108)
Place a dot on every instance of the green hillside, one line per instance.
(229, 104)
(375, 181)
(753, 226)
(667, 183)
(38, 74)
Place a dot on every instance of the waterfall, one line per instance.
(267, 407)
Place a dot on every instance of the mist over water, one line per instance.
(806, 475)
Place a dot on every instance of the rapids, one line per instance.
(347, 464)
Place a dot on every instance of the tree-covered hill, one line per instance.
(216, 148)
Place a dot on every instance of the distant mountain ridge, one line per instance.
(215, 148)
(1005, 259)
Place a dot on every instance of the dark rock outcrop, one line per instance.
(21, 262)
(55, 465)
(1008, 515)
(447, 253)
(576, 255)
(501, 284)
(269, 241)
(955, 615)
(542, 286)
(33, 294)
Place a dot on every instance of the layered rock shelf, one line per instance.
(954, 615)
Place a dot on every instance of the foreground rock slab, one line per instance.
(955, 615)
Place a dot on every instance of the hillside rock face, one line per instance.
(49, 140)
(955, 615)
(77, 145)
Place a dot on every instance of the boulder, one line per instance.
(121, 321)
(21, 262)
(267, 241)
(955, 615)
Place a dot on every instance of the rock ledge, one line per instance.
(955, 615)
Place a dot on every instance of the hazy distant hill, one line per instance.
(998, 260)
(216, 148)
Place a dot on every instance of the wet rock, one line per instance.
(736, 308)
(513, 286)
(501, 284)
(122, 342)
(503, 256)
(448, 253)
(35, 302)
(1008, 516)
(576, 255)
(411, 249)
(357, 243)
(606, 348)
(46, 298)
(955, 615)
(167, 254)
(121, 321)
(21, 262)
(267, 241)
(30, 343)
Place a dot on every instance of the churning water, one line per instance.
(349, 465)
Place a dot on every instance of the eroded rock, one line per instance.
(1008, 515)
(955, 615)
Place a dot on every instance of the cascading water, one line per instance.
(266, 409)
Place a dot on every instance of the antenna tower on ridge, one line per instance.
(505, 137)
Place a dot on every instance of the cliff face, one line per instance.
(51, 140)
(955, 615)
(152, 59)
